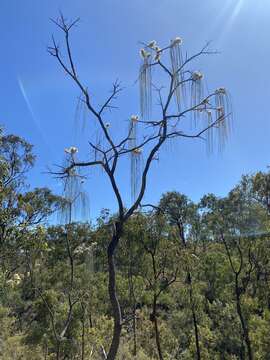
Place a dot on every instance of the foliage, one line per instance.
(153, 264)
(218, 248)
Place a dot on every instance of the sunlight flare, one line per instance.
(237, 8)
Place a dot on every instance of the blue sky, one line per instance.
(38, 101)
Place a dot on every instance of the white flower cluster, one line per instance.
(137, 151)
(71, 150)
(134, 118)
(197, 75)
(221, 91)
(15, 281)
(144, 54)
(177, 41)
(153, 46)
(82, 249)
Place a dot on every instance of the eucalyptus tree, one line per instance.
(65, 295)
(20, 210)
(16, 159)
(161, 271)
(255, 188)
(227, 219)
(183, 214)
(182, 98)
(72, 198)
(23, 211)
(131, 260)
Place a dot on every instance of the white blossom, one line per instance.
(152, 44)
(71, 150)
(134, 118)
(157, 56)
(144, 54)
(197, 75)
(177, 41)
(221, 90)
(137, 151)
(17, 277)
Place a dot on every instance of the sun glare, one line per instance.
(237, 9)
(231, 11)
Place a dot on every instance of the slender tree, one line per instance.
(228, 219)
(162, 271)
(144, 135)
(181, 212)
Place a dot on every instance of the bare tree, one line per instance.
(144, 134)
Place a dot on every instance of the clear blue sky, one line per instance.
(38, 101)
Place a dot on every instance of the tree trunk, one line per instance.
(133, 302)
(58, 351)
(83, 337)
(134, 331)
(157, 336)
(196, 334)
(242, 320)
(90, 320)
(46, 351)
(116, 310)
(194, 317)
(191, 300)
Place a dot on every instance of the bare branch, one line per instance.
(115, 91)
(202, 52)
